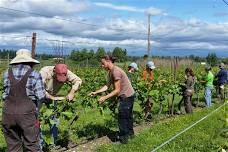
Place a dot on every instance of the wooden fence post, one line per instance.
(33, 45)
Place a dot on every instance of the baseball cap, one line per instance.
(207, 67)
(60, 71)
(222, 65)
(133, 65)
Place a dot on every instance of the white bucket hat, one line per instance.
(24, 56)
(133, 65)
(150, 64)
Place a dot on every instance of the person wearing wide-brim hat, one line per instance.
(221, 77)
(208, 83)
(22, 94)
(24, 56)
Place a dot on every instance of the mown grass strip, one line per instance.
(186, 129)
(202, 135)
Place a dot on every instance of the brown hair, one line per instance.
(110, 58)
(190, 71)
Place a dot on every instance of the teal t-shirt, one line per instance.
(209, 79)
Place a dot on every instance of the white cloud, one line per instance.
(150, 10)
(170, 33)
(46, 7)
(153, 11)
(196, 46)
(119, 7)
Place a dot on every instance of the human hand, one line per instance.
(70, 96)
(92, 94)
(102, 99)
(58, 98)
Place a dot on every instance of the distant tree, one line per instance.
(81, 55)
(91, 54)
(75, 55)
(212, 59)
(100, 53)
(196, 58)
(120, 54)
(84, 57)
(44, 56)
(192, 57)
(109, 53)
(84, 54)
(145, 56)
(224, 60)
(5, 53)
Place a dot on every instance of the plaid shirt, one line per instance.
(34, 87)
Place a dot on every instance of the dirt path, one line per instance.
(92, 145)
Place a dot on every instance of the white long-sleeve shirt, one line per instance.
(52, 86)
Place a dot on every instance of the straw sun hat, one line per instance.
(24, 56)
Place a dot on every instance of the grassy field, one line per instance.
(91, 124)
(206, 136)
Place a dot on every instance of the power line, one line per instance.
(69, 20)
(225, 2)
(14, 36)
(70, 42)
(43, 15)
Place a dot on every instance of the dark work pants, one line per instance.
(188, 104)
(221, 93)
(125, 116)
(21, 130)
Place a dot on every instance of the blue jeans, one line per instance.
(54, 130)
(207, 95)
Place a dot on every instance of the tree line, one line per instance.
(5, 54)
(85, 56)
(92, 57)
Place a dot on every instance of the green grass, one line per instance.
(2, 141)
(92, 125)
(202, 137)
(89, 125)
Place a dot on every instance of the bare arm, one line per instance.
(115, 92)
(49, 96)
(103, 89)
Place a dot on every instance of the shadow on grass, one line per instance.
(3, 149)
(92, 131)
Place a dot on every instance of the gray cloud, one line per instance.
(221, 14)
(45, 7)
(170, 33)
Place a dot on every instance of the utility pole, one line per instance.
(148, 47)
(33, 45)
(8, 59)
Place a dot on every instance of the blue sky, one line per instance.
(185, 9)
(178, 27)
